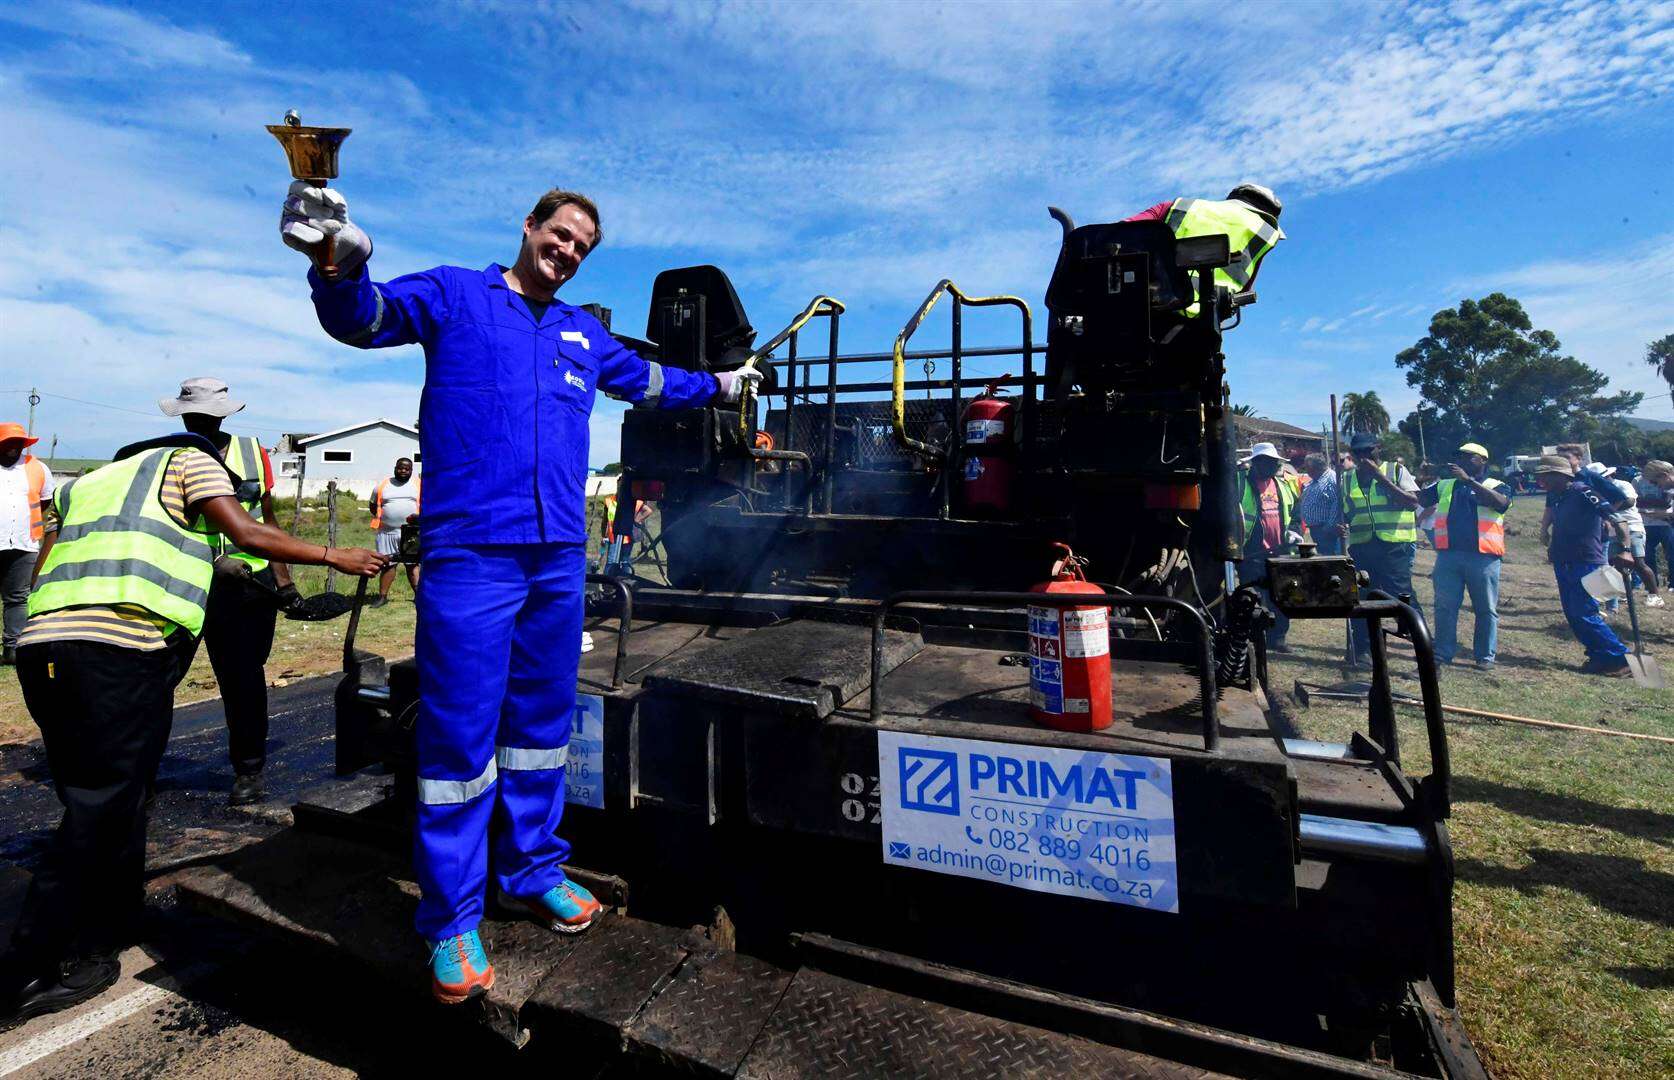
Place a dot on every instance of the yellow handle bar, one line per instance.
(819, 305)
(898, 393)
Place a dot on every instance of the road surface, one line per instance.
(202, 1000)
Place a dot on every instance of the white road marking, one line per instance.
(77, 1028)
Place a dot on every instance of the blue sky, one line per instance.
(1424, 152)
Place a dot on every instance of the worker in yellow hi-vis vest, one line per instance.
(1381, 504)
(120, 595)
(1248, 217)
(1470, 542)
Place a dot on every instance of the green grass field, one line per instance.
(1564, 842)
(299, 649)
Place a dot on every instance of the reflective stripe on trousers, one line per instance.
(511, 758)
(499, 640)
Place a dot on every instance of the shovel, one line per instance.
(1646, 671)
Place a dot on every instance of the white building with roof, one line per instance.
(357, 457)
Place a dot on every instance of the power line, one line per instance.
(155, 415)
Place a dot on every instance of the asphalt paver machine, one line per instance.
(806, 775)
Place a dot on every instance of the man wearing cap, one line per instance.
(511, 376)
(1469, 507)
(25, 489)
(1580, 519)
(239, 621)
(1268, 508)
(1382, 527)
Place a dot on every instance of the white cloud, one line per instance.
(1605, 309)
(148, 41)
(868, 149)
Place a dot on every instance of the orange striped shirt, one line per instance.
(192, 477)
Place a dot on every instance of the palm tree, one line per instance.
(1242, 410)
(1363, 413)
(1660, 355)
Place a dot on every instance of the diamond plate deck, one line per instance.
(707, 1018)
(800, 668)
(606, 978)
(830, 1027)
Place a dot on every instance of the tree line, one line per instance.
(1486, 374)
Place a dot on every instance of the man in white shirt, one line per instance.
(394, 500)
(25, 489)
(1627, 513)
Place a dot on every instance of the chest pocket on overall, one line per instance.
(577, 372)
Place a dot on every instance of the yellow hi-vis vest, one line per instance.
(1375, 515)
(1490, 523)
(117, 545)
(1252, 511)
(1249, 235)
(244, 457)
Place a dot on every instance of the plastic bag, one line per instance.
(1605, 583)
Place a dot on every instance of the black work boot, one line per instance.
(73, 982)
(247, 788)
(9, 657)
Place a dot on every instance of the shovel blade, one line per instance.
(1646, 671)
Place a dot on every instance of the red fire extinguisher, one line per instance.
(1069, 654)
(985, 490)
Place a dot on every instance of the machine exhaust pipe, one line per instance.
(1063, 219)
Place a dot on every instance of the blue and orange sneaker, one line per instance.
(566, 907)
(459, 968)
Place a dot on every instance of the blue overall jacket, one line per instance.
(503, 420)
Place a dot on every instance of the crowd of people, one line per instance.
(1595, 516)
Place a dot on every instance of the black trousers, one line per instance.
(104, 713)
(238, 632)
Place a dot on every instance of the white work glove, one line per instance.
(1293, 538)
(313, 213)
(732, 383)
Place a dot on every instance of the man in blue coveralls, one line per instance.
(510, 378)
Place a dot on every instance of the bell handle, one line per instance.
(326, 255)
(325, 252)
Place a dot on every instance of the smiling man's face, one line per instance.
(553, 249)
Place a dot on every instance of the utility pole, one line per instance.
(52, 455)
(1423, 456)
(34, 400)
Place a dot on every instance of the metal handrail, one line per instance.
(1206, 656)
(624, 625)
(1439, 788)
(819, 305)
(898, 394)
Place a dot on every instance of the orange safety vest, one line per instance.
(36, 474)
(607, 527)
(1490, 523)
(378, 500)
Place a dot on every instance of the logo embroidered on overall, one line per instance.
(575, 380)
